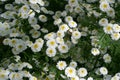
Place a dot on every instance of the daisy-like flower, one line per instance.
(74, 78)
(103, 71)
(115, 78)
(63, 27)
(4, 74)
(32, 20)
(73, 64)
(82, 72)
(61, 65)
(74, 41)
(51, 52)
(15, 76)
(52, 43)
(36, 34)
(111, 13)
(103, 22)
(20, 47)
(82, 79)
(36, 26)
(72, 24)
(43, 18)
(60, 40)
(108, 29)
(116, 28)
(95, 51)
(107, 58)
(24, 15)
(115, 36)
(104, 6)
(6, 41)
(33, 1)
(35, 7)
(76, 34)
(60, 34)
(57, 21)
(36, 47)
(68, 18)
(73, 3)
(25, 8)
(63, 48)
(70, 72)
(13, 42)
(32, 78)
(51, 35)
(89, 78)
(9, 6)
(25, 73)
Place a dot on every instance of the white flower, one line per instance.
(51, 35)
(52, 43)
(29, 43)
(13, 42)
(20, 46)
(32, 20)
(9, 6)
(74, 78)
(24, 9)
(73, 64)
(104, 6)
(63, 48)
(60, 40)
(111, 13)
(82, 79)
(44, 30)
(4, 74)
(74, 41)
(115, 78)
(107, 58)
(36, 26)
(111, 1)
(103, 71)
(116, 28)
(36, 34)
(108, 29)
(70, 72)
(76, 34)
(25, 73)
(82, 72)
(33, 1)
(103, 22)
(89, 78)
(60, 34)
(32, 78)
(73, 2)
(43, 18)
(57, 21)
(6, 41)
(61, 65)
(63, 27)
(95, 51)
(14, 51)
(36, 47)
(35, 7)
(72, 24)
(51, 52)
(24, 15)
(115, 36)
(15, 76)
(41, 2)
(68, 18)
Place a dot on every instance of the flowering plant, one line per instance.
(59, 40)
